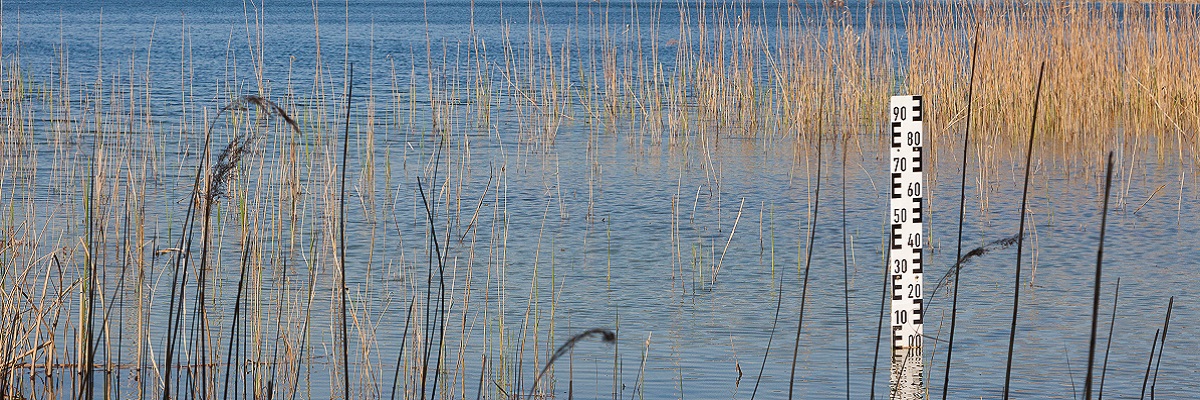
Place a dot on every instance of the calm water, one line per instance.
(597, 229)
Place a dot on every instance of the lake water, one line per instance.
(687, 247)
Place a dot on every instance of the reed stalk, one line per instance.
(1012, 330)
(1153, 346)
(342, 235)
(962, 209)
(812, 235)
(1112, 323)
(80, 250)
(1162, 344)
(1087, 384)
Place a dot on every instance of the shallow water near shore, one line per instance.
(682, 246)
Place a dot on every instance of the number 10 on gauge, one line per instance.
(904, 262)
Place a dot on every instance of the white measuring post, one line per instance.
(906, 212)
(905, 261)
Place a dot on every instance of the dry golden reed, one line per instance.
(1118, 75)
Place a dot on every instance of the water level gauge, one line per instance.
(905, 262)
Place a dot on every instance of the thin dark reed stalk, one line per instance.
(1112, 323)
(962, 211)
(123, 249)
(310, 294)
(275, 346)
(342, 238)
(223, 171)
(404, 340)
(812, 235)
(198, 334)
(237, 308)
(775, 321)
(1012, 330)
(441, 307)
(439, 321)
(430, 210)
(8, 338)
(482, 372)
(845, 269)
(428, 291)
(1150, 363)
(7, 346)
(1162, 345)
(1070, 373)
(88, 367)
(883, 301)
(618, 365)
(175, 308)
(1087, 384)
(226, 163)
(182, 261)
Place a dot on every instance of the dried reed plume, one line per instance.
(241, 145)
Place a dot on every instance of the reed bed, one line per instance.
(140, 260)
(1116, 75)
